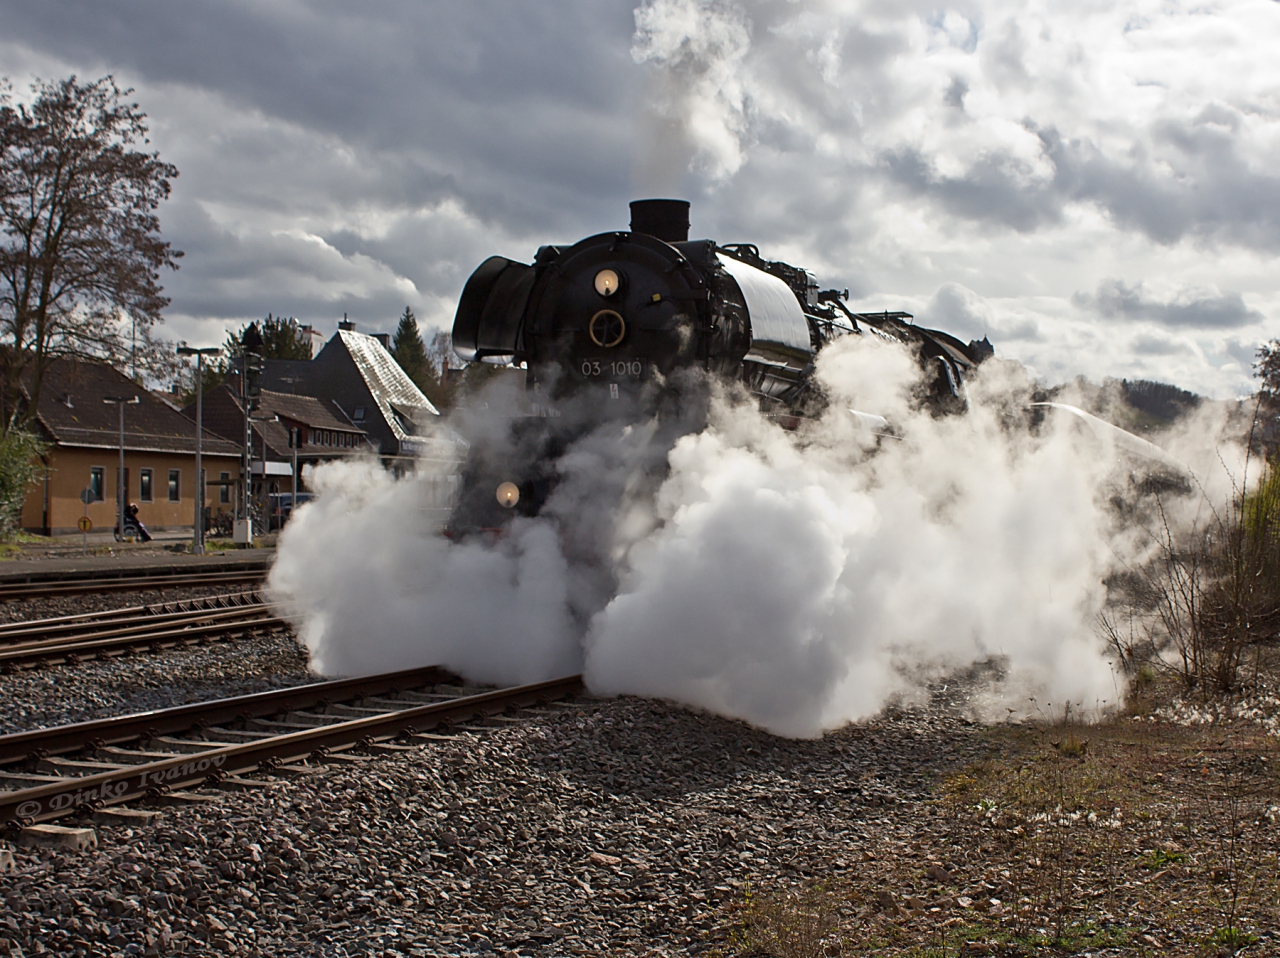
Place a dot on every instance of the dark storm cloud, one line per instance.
(962, 312)
(503, 96)
(1148, 345)
(319, 143)
(245, 277)
(993, 190)
(1116, 300)
(1181, 180)
(360, 158)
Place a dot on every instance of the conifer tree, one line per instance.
(408, 349)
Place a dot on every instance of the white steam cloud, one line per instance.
(797, 580)
(697, 113)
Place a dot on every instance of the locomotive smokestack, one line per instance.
(668, 220)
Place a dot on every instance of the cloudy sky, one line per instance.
(1091, 185)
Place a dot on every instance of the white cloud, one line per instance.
(1019, 156)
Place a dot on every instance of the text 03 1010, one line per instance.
(632, 368)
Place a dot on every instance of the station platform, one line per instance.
(65, 556)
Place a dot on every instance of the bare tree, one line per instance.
(1267, 369)
(81, 253)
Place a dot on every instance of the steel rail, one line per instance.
(58, 799)
(35, 574)
(115, 616)
(62, 650)
(62, 739)
(143, 626)
(36, 590)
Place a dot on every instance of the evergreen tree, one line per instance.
(408, 349)
(281, 336)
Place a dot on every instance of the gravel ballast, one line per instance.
(624, 826)
(26, 610)
(61, 694)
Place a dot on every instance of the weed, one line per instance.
(1072, 746)
(1161, 859)
(797, 923)
(1232, 938)
(1233, 868)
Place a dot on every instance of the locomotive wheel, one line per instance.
(607, 328)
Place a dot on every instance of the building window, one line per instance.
(175, 485)
(224, 487)
(96, 481)
(358, 415)
(144, 485)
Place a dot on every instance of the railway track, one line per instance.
(11, 591)
(87, 623)
(54, 773)
(72, 638)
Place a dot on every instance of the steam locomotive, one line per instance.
(618, 308)
(617, 316)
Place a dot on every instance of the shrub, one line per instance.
(20, 452)
(1218, 591)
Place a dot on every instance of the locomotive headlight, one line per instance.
(508, 494)
(607, 282)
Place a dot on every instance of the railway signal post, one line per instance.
(121, 401)
(198, 545)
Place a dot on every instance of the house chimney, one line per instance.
(385, 339)
(346, 324)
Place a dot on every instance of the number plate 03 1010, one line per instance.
(613, 368)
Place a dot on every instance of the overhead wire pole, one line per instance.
(120, 401)
(198, 546)
(251, 366)
(266, 493)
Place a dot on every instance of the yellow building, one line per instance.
(82, 431)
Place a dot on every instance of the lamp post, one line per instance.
(199, 354)
(121, 401)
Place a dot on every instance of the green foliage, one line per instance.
(430, 365)
(1160, 859)
(20, 453)
(408, 348)
(1267, 369)
(1232, 938)
(282, 338)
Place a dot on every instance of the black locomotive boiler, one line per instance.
(617, 316)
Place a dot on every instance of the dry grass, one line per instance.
(1139, 838)
(796, 923)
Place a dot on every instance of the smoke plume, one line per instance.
(795, 579)
(698, 103)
